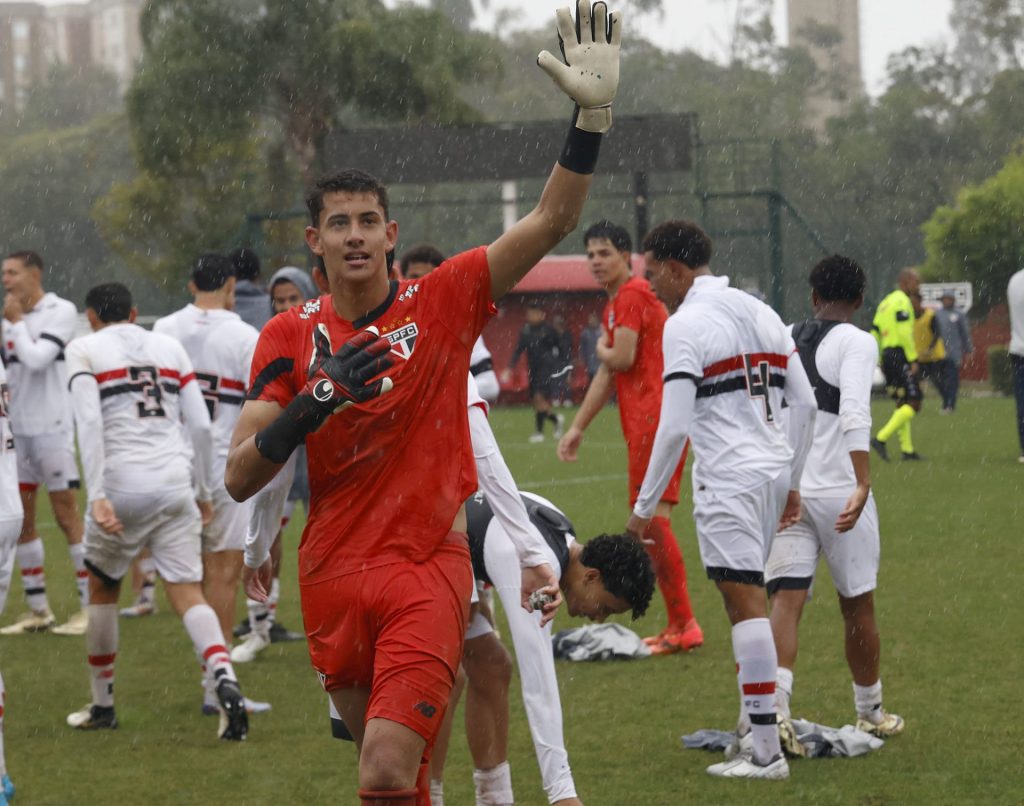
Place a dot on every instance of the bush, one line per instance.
(1000, 374)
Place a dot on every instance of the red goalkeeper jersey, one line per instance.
(386, 477)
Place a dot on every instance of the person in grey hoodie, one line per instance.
(290, 286)
(956, 335)
(251, 300)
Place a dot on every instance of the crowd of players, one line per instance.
(190, 438)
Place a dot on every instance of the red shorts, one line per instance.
(638, 449)
(396, 629)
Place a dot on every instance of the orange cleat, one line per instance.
(673, 640)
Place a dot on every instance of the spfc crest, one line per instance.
(403, 340)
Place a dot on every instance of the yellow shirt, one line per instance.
(893, 325)
(926, 338)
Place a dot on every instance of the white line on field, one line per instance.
(529, 485)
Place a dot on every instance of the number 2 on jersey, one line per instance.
(758, 377)
(148, 380)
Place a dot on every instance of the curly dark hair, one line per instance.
(838, 279)
(625, 569)
(681, 240)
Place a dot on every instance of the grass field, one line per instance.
(951, 632)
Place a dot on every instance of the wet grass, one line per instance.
(951, 633)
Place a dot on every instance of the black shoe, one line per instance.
(234, 721)
(880, 449)
(913, 457)
(241, 629)
(280, 634)
(93, 717)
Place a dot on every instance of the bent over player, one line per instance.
(384, 567)
(131, 388)
(839, 518)
(728, 362)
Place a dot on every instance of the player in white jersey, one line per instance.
(131, 390)
(839, 517)
(420, 260)
(728, 363)
(10, 528)
(220, 346)
(37, 325)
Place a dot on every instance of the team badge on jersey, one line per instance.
(403, 340)
(309, 308)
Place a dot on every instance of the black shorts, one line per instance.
(899, 380)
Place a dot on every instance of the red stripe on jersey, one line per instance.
(186, 379)
(169, 373)
(482, 404)
(111, 375)
(102, 660)
(214, 649)
(227, 383)
(28, 572)
(736, 362)
(759, 688)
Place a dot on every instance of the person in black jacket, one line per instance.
(543, 347)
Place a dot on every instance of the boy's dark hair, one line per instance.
(625, 569)
(680, 240)
(112, 302)
(28, 258)
(421, 253)
(347, 181)
(838, 279)
(618, 236)
(211, 271)
(246, 263)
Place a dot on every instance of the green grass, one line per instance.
(951, 632)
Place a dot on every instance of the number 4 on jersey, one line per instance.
(758, 377)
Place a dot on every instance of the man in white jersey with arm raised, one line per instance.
(37, 325)
(220, 346)
(728, 363)
(131, 390)
(839, 517)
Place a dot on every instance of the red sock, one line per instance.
(670, 571)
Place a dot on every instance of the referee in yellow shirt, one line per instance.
(893, 327)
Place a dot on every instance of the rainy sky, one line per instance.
(887, 26)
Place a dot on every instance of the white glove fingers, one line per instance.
(584, 23)
(601, 23)
(554, 67)
(566, 28)
(615, 22)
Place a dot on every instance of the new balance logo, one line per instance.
(426, 709)
(403, 340)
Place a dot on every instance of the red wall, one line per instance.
(994, 330)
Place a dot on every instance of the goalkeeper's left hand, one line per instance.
(590, 73)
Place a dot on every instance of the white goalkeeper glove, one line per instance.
(590, 73)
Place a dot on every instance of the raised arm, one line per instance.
(590, 76)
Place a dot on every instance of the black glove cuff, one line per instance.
(579, 154)
(300, 418)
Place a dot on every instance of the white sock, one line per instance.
(77, 552)
(204, 629)
(33, 579)
(494, 786)
(275, 594)
(3, 705)
(259, 618)
(147, 565)
(754, 649)
(783, 690)
(101, 648)
(436, 792)
(743, 722)
(868, 702)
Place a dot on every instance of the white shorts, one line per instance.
(478, 623)
(167, 522)
(488, 386)
(226, 532)
(47, 459)
(852, 557)
(735, 533)
(9, 531)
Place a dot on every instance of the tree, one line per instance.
(980, 238)
(989, 38)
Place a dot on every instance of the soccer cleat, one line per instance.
(73, 626)
(744, 766)
(280, 634)
(141, 607)
(93, 717)
(914, 456)
(559, 425)
(791, 745)
(251, 707)
(891, 725)
(7, 787)
(234, 719)
(880, 449)
(247, 651)
(242, 628)
(33, 621)
(537, 437)
(673, 640)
